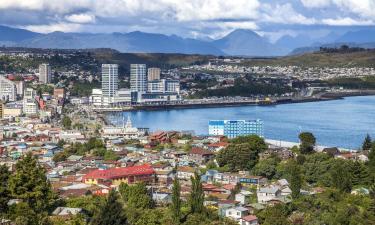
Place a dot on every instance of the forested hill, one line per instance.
(362, 58)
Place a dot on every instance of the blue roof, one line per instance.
(216, 122)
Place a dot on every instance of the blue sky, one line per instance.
(190, 18)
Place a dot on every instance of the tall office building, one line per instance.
(8, 89)
(45, 74)
(138, 78)
(235, 128)
(109, 81)
(153, 74)
(30, 105)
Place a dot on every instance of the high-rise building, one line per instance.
(138, 78)
(1, 110)
(153, 74)
(30, 105)
(8, 89)
(109, 82)
(235, 128)
(45, 74)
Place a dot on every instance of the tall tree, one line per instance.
(367, 143)
(4, 192)
(136, 196)
(371, 158)
(176, 201)
(360, 173)
(110, 212)
(295, 178)
(29, 183)
(308, 142)
(196, 197)
(340, 176)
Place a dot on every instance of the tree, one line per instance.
(110, 212)
(176, 201)
(359, 173)
(66, 122)
(234, 191)
(275, 215)
(340, 176)
(371, 158)
(308, 141)
(295, 178)
(4, 192)
(136, 196)
(196, 197)
(29, 183)
(367, 143)
(266, 167)
(239, 156)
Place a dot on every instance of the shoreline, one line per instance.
(328, 96)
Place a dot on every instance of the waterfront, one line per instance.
(342, 123)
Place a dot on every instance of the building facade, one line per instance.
(8, 90)
(138, 78)
(109, 82)
(45, 74)
(164, 86)
(30, 105)
(235, 128)
(153, 74)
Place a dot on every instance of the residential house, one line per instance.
(249, 220)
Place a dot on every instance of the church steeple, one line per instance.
(128, 123)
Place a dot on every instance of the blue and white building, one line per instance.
(235, 128)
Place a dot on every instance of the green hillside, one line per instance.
(320, 59)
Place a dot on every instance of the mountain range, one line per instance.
(239, 42)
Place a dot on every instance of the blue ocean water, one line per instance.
(342, 123)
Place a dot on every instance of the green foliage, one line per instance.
(360, 173)
(367, 143)
(371, 158)
(334, 207)
(308, 141)
(66, 122)
(316, 168)
(111, 155)
(110, 212)
(242, 153)
(176, 201)
(4, 192)
(60, 156)
(89, 203)
(136, 196)
(196, 197)
(266, 167)
(340, 176)
(244, 88)
(29, 183)
(274, 215)
(295, 178)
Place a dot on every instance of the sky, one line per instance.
(202, 19)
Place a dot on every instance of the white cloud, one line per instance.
(80, 18)
(284, 14)
(316, 3)
(48, 28)
(347, 21)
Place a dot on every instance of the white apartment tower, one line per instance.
(45, 74)
(109, 82)
(138, 77)
(153, 74)
(8, 90)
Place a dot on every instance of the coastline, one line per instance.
(327, 96)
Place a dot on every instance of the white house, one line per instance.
(236, 213)
(266, 194)
(243, 197)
